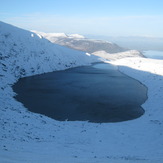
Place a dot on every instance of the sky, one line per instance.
(87, 17)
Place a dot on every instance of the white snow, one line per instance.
(115, 56)
(88, 54)
(76, 36)
(50, 34)
(58, 35)
(31, 138)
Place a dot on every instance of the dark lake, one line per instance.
(97, 93)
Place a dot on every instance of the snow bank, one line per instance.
(29, 137)
(115, 56)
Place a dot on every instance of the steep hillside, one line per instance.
(23, 53)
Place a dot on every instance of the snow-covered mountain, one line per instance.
(79, 42)
(99, 48)
(30, 138)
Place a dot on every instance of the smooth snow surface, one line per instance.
(50, 36)
(76, 36)
(115, 56)
(33, 138)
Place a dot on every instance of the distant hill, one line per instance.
(135, 42)
(79, 42)
(100, 48)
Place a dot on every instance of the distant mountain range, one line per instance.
(105, 49)
(135, 42)
(79, 42)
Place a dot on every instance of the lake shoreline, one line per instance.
(61, 87)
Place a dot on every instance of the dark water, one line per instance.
(98, 93)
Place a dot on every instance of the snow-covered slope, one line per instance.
(28, 52)
(55, 37)
(115, 56)
(23, 53)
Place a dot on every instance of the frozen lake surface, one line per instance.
(97, 93)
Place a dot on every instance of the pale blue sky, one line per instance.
(96, 17)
